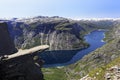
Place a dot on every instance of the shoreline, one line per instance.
(72, 61)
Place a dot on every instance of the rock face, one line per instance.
(22, 68)
(55, 34)
(6, 44)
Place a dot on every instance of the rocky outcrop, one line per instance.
(113, 73)
(26, 67)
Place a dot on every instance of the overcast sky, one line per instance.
(63, 8)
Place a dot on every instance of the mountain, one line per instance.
(99, 62)
(97, 59)
(95, 65)
(63, 35)
(55, 31)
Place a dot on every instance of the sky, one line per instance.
(64, 8)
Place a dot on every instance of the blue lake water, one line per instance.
(95, 39)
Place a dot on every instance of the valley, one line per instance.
(76, 47)
(94, 39)
(95, 65)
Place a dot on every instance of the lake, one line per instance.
(95, 39)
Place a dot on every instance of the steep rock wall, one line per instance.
(6, 44)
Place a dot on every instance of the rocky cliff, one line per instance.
(24, 67)
(55, 33)
(6, 43)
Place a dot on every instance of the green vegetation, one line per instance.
(54, 74)
(33, 26)
(36, 41)
(99, 73)
(94, 64)
(81, 45)
(108, 36)
(64, 26)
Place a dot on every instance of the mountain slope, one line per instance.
(47, 30)
(55, 31)
(94, 65)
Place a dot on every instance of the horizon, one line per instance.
(96, 19)
(74, 9)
